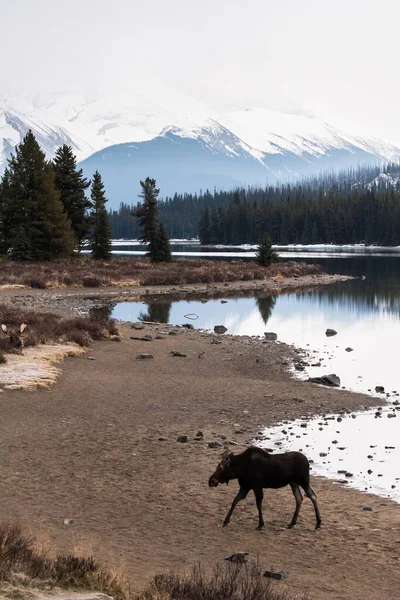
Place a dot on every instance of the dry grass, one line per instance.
(26, 567)
(44, 328)
(85, 272)
(29, 567)
(227, 582)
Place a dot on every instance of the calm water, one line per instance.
(364, 452)
(366, 315)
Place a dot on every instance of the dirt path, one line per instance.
(90, 450)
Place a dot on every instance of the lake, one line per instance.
(365, 312)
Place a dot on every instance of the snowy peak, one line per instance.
(285, 145)
(273, 132)
(212, 135)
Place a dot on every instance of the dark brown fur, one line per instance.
(256, 469)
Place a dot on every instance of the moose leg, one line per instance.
(259, 498)
(313, 497)
(241, 495)
(299, 499)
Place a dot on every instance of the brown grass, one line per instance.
(227, 582)
(25, 565)
(85, 272)
(45, 328)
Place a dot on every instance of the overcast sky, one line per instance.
(338, 59)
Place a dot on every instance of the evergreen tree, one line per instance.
(147, 212)
(101, 239)
(22, 247)
(153, 231)
(204, 228)
(72, 185)
(34, 225)
(265, 256)
(159, 247)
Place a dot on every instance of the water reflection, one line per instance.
(363, 451)
(370, 325)
(265, 305)
(157, 312)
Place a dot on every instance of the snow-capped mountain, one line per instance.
(89, 122)
(128, 138)
(273, 132)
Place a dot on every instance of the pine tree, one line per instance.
(159, 247)
(34, 225)
(147, 212)
(153, 232)
(52, 233)
(101, 238)
(264, 254)
(72, 185)
(204, 228)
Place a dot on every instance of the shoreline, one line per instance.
(81, 300)
(111, 463)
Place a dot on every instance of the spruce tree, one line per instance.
(153, 232)
(265, 256)
(72, 185)
(101, 238)
(159, 247)
(147, 212)
(205, 227)
(34, 225)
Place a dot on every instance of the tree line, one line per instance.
(45, 211)
(352, 206)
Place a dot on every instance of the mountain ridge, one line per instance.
(201, 150)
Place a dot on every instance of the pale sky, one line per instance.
(338, 59)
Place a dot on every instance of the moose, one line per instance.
(14, 340)
(256, 470)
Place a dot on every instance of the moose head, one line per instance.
(14, 340)
(224, 471)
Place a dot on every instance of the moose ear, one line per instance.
(22, 328)
(4, 328)
(226, 455)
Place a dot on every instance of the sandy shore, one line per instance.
(100, 448)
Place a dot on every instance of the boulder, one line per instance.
(278, 575)
(238, 557)
(214, 444)
(380, 389)
(182, 438)
(331, 380)
(270, 336)
(220, 329)
(144, 356)
(330, 332)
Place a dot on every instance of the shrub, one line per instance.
(36, 283)
(94, 282)
(19, 559)
(47, 327)
(227, 582)
(80, 337)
